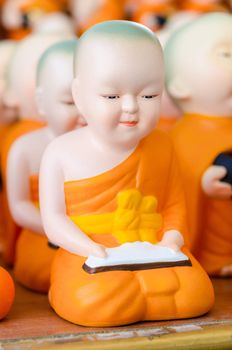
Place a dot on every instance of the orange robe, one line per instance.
(11, 229)
(3, 132)
(122, 297)
(198, 140)
(110, 10)
(191, 5)
(33, 257)
(166, 123)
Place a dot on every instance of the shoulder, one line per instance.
(27, 142)
(62, 145)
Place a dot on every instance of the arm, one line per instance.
(58, 227)
(211, 184)
(174, 211)
(22, 208)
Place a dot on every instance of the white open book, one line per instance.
(136, 256)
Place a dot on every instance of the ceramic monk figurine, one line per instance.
(154, 13)
(21, 97)
(199, 63)
(56, 107)
(7, 292)
(111, 191)
(86, 13)
(20, 16)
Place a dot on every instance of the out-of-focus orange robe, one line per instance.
(191, 5)
(198, 140)
(3, 132)
(110, 10)
(33, 255)
(11, 229)
(122, 297)
(166, 123)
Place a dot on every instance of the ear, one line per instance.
(178, 89)
(39, 100)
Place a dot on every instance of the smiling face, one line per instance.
(54, 93)
(118, 87)
(200, 64)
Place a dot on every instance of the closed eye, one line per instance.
(148, 97)
(69, 103)
(67, 100)
(111, 97)
(226, 54)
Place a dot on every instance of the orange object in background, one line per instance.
(46, 6)
(107, 10)
(25, 12)
(154, 14)
(198, 141)
(131, 296)
(203, 6)
(3, 132)
(33, 257)
(12, 230)
(7, 292)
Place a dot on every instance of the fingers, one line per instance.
(96, 250)
(172, 246)
(212, 185)
(214, 172)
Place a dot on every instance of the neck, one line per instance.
(113, 147)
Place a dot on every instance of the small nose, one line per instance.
(129, 104)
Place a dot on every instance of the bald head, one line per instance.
(61, 49)
(198, 60)
(113, 33)
(194, 38)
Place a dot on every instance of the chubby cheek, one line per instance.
(150, 112)
(218, 81)
(103, 113)
(65, 120)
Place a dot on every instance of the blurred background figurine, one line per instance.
(19, 17)
(198, 77)
(56, 108)
(20, 97)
